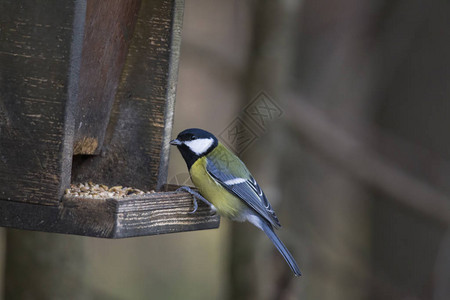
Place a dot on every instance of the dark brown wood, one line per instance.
(38, 84)
(164, 213)
(151, 214)
(46, 47)
(135, 151)
(108, 32)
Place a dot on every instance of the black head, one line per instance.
(194, 143)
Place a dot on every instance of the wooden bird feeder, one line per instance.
(87, 93)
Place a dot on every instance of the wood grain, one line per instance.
(45, 49)
(108, 32)
(135, 150)
(39, 40)
(157, 213)
(165, 213)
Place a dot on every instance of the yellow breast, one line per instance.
(227, 204)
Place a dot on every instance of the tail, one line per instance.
(281, 247)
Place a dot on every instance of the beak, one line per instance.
(175, 142)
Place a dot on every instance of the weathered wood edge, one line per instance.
(76, 49)
(174, 59)
(152, 214)
(165, 212)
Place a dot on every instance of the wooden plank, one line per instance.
(38, 84)
(172, 79)
(135, 151)
(165, 213)
(108, 31)
(156, 213)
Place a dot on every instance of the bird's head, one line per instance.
(194, 143)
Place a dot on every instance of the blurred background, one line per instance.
(341, 111)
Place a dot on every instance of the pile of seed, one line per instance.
(92, 190)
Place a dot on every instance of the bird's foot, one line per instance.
(196, 195)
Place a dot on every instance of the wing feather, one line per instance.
(245, 187)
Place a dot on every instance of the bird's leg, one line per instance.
(196, 195)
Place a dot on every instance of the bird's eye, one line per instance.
(193, 137)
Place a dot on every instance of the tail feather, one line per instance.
(268, 229)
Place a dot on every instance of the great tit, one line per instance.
(226, 184)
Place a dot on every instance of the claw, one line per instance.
(212, 210)
(196, 195)
(195, 205)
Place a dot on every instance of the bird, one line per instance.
(224, 182)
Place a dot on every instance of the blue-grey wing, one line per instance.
(244, 187)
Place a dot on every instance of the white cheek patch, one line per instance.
(235, 181)
(199, 146)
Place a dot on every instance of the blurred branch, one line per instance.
(354, 156)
